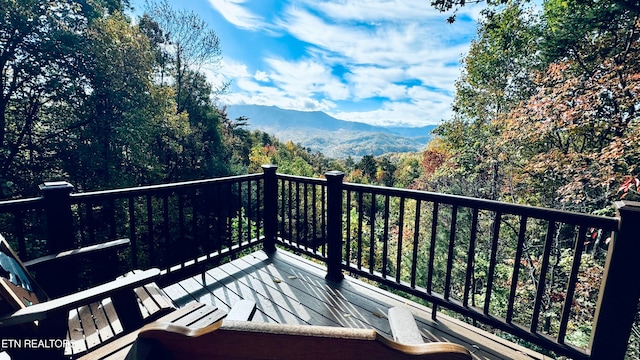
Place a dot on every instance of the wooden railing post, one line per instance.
(620, 289)
(60, 237)
(270, 207)
(334, 225)
(57, 207)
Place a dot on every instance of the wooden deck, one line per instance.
(289, 289)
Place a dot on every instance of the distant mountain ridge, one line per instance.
(334, 138)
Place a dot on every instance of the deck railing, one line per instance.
(559, 280)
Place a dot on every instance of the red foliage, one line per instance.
(432, 160)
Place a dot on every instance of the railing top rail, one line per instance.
(304, 179)
(142, 190)
(29, 203)
(569, 217)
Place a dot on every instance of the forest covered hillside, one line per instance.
(334, 138)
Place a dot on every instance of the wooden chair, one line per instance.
(233, 339)
(32, 325)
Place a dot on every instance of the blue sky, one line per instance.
(382, 62)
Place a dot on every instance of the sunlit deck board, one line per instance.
(289, 289)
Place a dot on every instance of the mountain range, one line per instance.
(332, 137)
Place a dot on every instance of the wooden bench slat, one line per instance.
(110, 311)
(102, 322)
(75, 335)
(88, 327)
(192, 313)
(159, 296)
(99, 322)
(146, 304)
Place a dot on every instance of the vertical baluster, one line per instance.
(91, 223)
(209, 217)
(299, 219)
(290, 208)
(416, 244)
(283, 205)
(432, 246)
(258, 209)
(360, 221)
(314, 213)
(195, 234)
(181, 225)
(450, 253)
(113, 232)
(516, 267)
(18, 223)
(400, 235)
(132, 233)
(492, 260)
(432, 251)
(305, 214)
(240, 218)
(571, 285)
(471, 258)
(165, 230)
(372, 233)
(543, 276)
(150, 240)
(385, 237)
(219, 231)
(348, 230)
(229, 218)
(249, 211)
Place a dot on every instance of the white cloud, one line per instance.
(357, 50)
(237, 14)
(399, 113)
(252, 88)
(375, 10)
(261, 76)
(306, 78)
(388, 43)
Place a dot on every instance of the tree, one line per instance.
(43, 83)
(579, 132)
(495, 79)
(184, 46)
(124, 117)
(368, 166)
(187, 43)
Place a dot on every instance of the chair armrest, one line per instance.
(109, 245)
(243, 310)
(404, 327)
(43, 310)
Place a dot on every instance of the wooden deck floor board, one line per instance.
(282, 294)
(293, 288)
(265, 305)
(178, 295)
(289, 289)
(365, 296)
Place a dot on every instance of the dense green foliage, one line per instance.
(91, 97)
(546, 113)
